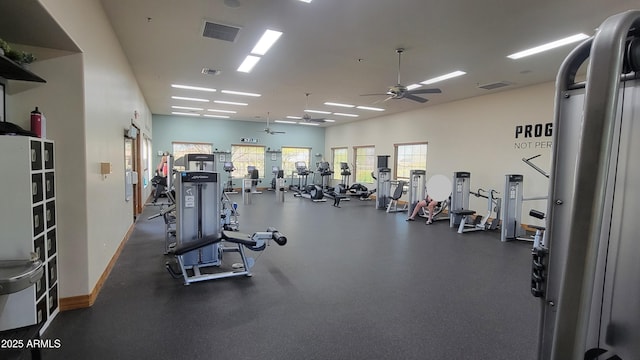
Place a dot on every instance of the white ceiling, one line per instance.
(339, 49)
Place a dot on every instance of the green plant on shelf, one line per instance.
(17, 56)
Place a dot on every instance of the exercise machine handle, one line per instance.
(277, 236)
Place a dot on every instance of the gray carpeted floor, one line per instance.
(352, 283)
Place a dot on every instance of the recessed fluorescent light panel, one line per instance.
(413, 86)
(231, 92)
(369, 108)
(216, 116)
(294, 117)
(310, 124)
(230, 102)
(443, 77)
(186, 108)
(188, 87)
(306, 1)
(345, 114)
(189, 99)
(249, 62)
(339, 104)
(329, 120)
(285, 122)
(266, 42)
(222, 111)
(317, 111)
(549, 46)
(184, 113)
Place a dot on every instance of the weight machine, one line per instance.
(201, 241)
(383, 183)
(461, 215)
(229, 168)
(586, 271)
(512, 210)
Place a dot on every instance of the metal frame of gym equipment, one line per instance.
(459, 206)
(460, 212)
(587, 275)
(229, 168)
(278, 183)
(383, 182)
(418, 191)
(417, 188)
(399, 190)
(312, 192)
(277, 174)
(493, 205)
(249, 184)
(345, 173)
(514, 199)
(201, 243)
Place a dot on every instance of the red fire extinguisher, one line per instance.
(36, 122)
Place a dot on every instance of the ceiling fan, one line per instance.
(268, 129)
(400, 91)
(306, 117)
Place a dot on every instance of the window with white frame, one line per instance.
(180, 149)
(364, 163)
(291, 155)
(339, 156)
(244, 156)
(409, 157)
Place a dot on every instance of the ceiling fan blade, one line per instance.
(278, 132)
(317, 120)
(388, 98)
(425, 91)
(415, 98)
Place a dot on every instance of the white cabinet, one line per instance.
(28, 225)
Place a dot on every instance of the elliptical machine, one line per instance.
(313, 191)
(228, 168)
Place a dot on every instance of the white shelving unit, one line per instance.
(28, 225)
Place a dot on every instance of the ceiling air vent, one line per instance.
(495, 85)
(220, 32)
(208, 71)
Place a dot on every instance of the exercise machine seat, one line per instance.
(397, 194)
(463, 212)
(238, 238)
(194, 245)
